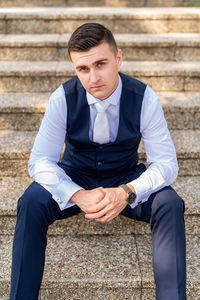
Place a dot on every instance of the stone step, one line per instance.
(25, 111)
(118, 19)
(113, 3)
(49, 47)
(27, 76)
(12, 188)
(15, 147)
(100, 267)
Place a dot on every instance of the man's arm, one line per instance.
(47, 149)
(159, 147)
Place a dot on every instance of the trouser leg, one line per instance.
(165, 212)
(36, 210)
(169, 253)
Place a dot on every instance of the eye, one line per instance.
(101, 64)
(83, 69)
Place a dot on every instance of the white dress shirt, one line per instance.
(48, 145)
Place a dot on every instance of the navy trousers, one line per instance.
(36, 210)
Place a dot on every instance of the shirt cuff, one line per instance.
(142, 189)
(64, 192)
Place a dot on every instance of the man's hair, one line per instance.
(90, 35)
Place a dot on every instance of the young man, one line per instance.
(101, 115)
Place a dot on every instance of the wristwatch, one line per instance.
(130, 195)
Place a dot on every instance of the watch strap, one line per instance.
(126, 188)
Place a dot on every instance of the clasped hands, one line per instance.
(101, 204)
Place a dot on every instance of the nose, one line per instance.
(94, 76)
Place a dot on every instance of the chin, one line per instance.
(99, 96)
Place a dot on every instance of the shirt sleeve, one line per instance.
(159, 147)
(47, 148)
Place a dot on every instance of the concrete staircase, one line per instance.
(83, 3)
(161, 46)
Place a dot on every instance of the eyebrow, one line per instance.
(94, 63)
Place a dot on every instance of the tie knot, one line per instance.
(101, 106)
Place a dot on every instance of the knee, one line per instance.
(169, 200)
(34, 198)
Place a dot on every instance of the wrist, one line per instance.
(131, 187)
(130, 193)
(123, 193)
(74, 198)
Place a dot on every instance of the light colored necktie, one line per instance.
(101, 126)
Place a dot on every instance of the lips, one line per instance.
(97, 87)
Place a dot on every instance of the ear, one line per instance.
(119, 57)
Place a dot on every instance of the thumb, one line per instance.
(101, 189)
(102, 195)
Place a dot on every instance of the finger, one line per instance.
(106, 218)
(98, 214)
(97, 206)
(100, 196)
(101, 204)
(101, 189)
(110, 215)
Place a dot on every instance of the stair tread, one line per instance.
(125, 39)
(72, 260)
(119, 3)
(27, 102)
(109, 12)
(84, 249)
(118, 19)
(142, 68)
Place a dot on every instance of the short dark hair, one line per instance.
(90, 35)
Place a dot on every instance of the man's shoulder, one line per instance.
(133, 84)
(71, 85)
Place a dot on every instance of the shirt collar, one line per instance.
(112, 99)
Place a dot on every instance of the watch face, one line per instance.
(131, 198)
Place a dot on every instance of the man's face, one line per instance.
(97, 69)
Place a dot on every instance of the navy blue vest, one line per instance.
(105, 163)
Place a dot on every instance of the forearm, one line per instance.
(157, 176)
(54, 179)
